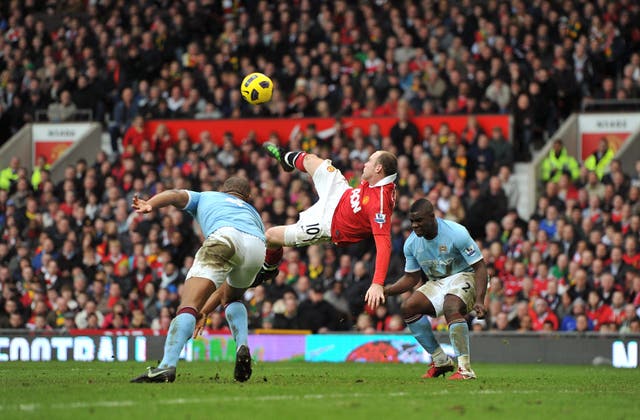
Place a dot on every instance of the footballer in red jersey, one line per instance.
(342, 214)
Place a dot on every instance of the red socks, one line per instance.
(273, 257)
(299, 161)
(188, 310)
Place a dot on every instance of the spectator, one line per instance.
(403, 128)
(502, 149)
(498, 93)
(318, 315)
(135, 135)
(523, 125)
(90, 309)
(599, 160)
(123, 114)
(9, 175)
(557, 163)
(570, 321)
(286, 313)
(583, 324)
(64, 110)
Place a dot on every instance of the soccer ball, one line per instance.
(256, 88)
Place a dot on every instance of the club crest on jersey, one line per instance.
(330, 168)
(365, 200)
(442, 249)
(380, 218)
(470, 250)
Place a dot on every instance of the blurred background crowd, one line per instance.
(74, 256)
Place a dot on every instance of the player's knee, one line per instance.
(311, 162)
(454, 310)
(272, 236)
(408, 310)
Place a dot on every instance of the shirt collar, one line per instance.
(386, 180)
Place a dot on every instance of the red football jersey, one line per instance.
(365, 211)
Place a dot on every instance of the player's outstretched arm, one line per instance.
(375, 294)
(177, 198)
(404, 283)
(480, 271)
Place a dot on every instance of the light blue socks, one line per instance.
(459, 336)
(237, 318)
(180, 331)
(421, 330)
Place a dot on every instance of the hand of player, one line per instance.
(140, 205)
(202, 319)
(479, 309)
(374, 296)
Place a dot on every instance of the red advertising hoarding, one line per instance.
(263, 128)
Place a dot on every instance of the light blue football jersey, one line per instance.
(452, 251)
(213, 210)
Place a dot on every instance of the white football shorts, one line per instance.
(314, 224)
(231, 255)
(462, 285)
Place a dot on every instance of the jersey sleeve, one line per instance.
(383, 256)
(467, 247)
(411, 264)
(192, 204)
(380, 221)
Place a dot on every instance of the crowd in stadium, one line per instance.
(73, 254)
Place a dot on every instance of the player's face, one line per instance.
(423, 223)
(370, 166)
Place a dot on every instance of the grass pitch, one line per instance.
(298, 390)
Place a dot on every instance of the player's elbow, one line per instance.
(180, 198)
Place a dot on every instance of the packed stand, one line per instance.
(73, 255)
(184, 59)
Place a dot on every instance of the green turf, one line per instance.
(298, 390)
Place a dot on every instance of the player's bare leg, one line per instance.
(414, 312)
(454, 312)
(275, 237)
(311, 163)
(196, 292)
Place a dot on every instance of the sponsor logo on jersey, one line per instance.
(470, 250)
(354, 199)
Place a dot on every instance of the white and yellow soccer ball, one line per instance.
(256, 88)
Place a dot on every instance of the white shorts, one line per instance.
(314, 224)
(231, 255)
(462, 285)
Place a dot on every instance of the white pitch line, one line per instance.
(31, 407)
(183, 401)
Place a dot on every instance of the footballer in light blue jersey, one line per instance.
(456, 285)
(214, 210)
(223, 268)
(452, 251)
